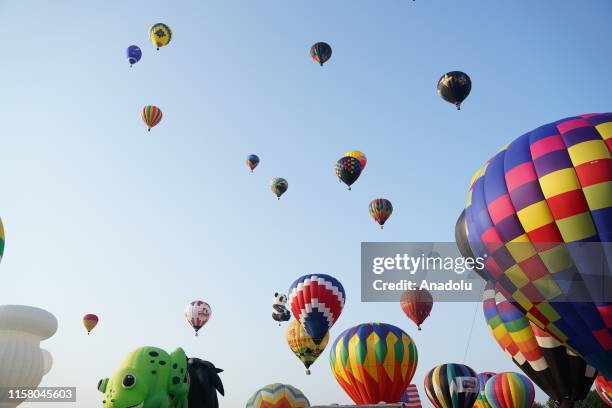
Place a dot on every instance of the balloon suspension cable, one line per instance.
(467, 346)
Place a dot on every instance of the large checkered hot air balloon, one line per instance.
(316, 301)
(348, 170)
(278, 396)
(374, 362)
(558, 371)
(451, 386)
(540, 210)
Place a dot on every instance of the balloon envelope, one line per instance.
(417, 305)
(90, 321)
(151, 116)
(252, 161)
(537, 210)
(160, 35)
(134, 53)
(481, 400)
(348, 170)
(302, 346)
(321, 52)
(279, 186)
(381, 209)
(316, 301)
(374, 362)
(452, 386)
(509, 390)
(278, 396)
(363, 160)
(454, 87)
(198, 313)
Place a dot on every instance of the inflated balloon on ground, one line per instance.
(278, 396)
(509, 390)
(452, 386)
(481, 400)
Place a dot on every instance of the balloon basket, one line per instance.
(307, 372)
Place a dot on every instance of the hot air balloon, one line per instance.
(359, 156)
(321, 52)
(133, 54)
(278, 396)
(252, 161)
(539, 211)
(509, 390)
(452, 386)
(160, 35)
(1, 240)
(417, 305)
(348, 170)
(198, 313)
(374, 362)
(151, 116)
(454, 87)
(90, 321)
(411, 397)
(380, 210)
(557, 370)
(279, 185)
(302, 345)
(316, 301)
(604, 390)
(481, 400)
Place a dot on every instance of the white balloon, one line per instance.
(22, 362)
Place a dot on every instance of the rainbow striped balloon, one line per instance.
(278, 396)
(604, 390)
(481, 400)
(151, 116)
(374, 362)
(551, 186)
(510, 390)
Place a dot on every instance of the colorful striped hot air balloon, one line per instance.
(321, 53)
(417, 305)
(539, 211)
(452, 386)
(279, 186)
(252, 161)
(302, 345)
(278, 396)
(363, 160)
(374, 362)
(316, 301)
(151, 116)
(198, 313)
(160, 35)
(604, 390)
(90, 321)
(481, 400)
(509, 390)
(557, 370)
(380, 210)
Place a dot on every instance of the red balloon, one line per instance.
(417, 305)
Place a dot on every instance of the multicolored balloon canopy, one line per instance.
(510, 390)
(198, 313)
(302, 346)
(316, 301)
(604, 389)
(417, 305)
(557, 370)
(252, 161)
(321, 52)
(452, 386)
(481, 400)
(90, 321)
(278, 396)
(381, 209)
(151, 116)
(374, 362)
(279, 186)
(348, 170)
(363, 160)
(538, 210)
(160, 35)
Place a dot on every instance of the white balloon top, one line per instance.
(28, 319)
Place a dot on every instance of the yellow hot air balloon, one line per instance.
(160, 35)
(302, 345)
(359, 156)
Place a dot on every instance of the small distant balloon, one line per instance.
(359, 156)
(417, 305)
(134, 53)
(454, 87)
(279, 185)
(348, 170)
(160, 35)
(381, 209)
(198, 313)
(90, 321)
(321, 52)
(151, 116)
(252, 161)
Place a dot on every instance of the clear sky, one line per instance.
(104, 217)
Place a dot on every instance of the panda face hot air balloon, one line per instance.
(316, 301)
(539, 211)
(374, 362)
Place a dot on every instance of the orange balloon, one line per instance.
(90, 321)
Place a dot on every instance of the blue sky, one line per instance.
(103, 217)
